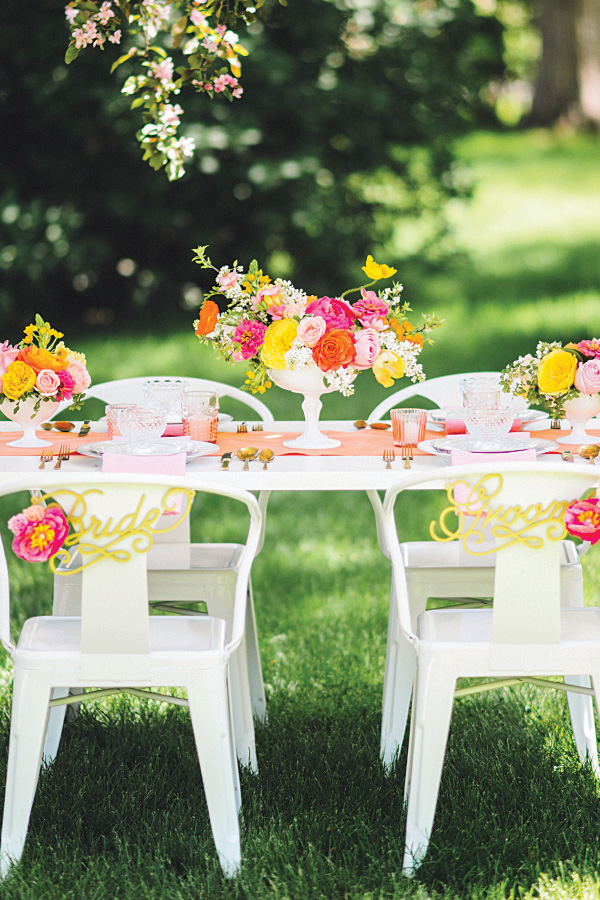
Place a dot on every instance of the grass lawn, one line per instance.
(121, 814)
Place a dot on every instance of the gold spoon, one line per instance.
(247, 453)
(360, 423)
(266, 456)
(589, 451)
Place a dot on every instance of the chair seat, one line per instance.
(216, 557)
(182, 639)
(474, 626)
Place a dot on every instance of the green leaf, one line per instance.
(71, 54)
(123, 59)
(139, 101)
(157, 160)
(178, 31)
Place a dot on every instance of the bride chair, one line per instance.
(525, 636)
(444, 391)
(115, 646)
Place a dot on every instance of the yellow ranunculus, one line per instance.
(278, 340)
(556, 372)
(375, 271)
(17, 380)
(388, 366)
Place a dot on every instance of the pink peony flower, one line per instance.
(35, 512)
(67, 385)
(41, 540)
(18, 523)
(371, 311)
(589, 348)
(335, 312)
(582, 519)
(79, 374)
(311, 330)
(250, 335)
(368, 348)
(47, 383)
(587, 377)
(8, 354)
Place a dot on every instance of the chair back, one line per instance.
(131, 390)
(522, 505)
(113, 522)
(444, 391)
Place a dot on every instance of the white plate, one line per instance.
(444, 446)
(439, 416)
(166, 447)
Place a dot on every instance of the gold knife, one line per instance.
(84, 428)
(225, 460)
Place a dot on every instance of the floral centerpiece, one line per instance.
(564, 379)
(36, 375)
(275, 326)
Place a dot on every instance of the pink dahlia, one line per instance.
(67, 385)
(589, 348)
(371, 311)
(250, 335)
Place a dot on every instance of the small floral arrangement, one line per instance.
(274, 325)
(39, 531)
(42, 368)
(555, 374)
(582, 519)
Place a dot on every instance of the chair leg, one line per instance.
(257, 689)
(31, 694)
(581, 710)
(211, 721)
(56, 719)
(434, 697)
(241, 709)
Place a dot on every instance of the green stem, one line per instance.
(351, 290)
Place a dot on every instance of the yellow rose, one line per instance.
(278, 340)
(556, 372)
(388, 366)
(17, 380)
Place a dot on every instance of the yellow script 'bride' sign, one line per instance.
(472, 509)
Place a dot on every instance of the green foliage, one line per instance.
(343, 134)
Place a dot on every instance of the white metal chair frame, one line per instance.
(114, 645)
(525, 636)
(443, 390)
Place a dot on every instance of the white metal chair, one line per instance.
(114, 645)
(525, 635)
(444, 391)
(131, 390)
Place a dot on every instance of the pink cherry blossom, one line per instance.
(311, 330)
(8, 354)
(250, 336)
(47, 383)
(371, 311)
(368, 348)
(163, 71)
(336, 313)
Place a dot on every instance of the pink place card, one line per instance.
(147, 465)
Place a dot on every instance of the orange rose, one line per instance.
(38, 358)
(208, 318)
(336, 348)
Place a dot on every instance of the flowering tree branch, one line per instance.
(198, 34)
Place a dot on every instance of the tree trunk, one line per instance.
(567, 86)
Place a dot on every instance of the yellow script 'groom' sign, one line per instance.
(114, 537)
(473, 509)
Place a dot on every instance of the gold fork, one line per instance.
(242, 428)
(388, 457)
(406, 451)
(257, 427)
(45, 456)
(64, 452)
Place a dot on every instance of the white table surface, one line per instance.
(285, 473)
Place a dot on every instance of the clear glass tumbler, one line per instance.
(113, 412)
(408, 426)
(142, 426)
(165, 394)
(201, 415)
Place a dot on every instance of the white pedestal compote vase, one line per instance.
(579, 411)
(27, 420)
(306, 380)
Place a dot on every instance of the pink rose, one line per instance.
(582, 519)
(80, 375)
(8, 354)
(311, 330)
(368, 348)
(371, 311)
(293, 309)
(336, 313)
(47, 383)
(587, 377)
